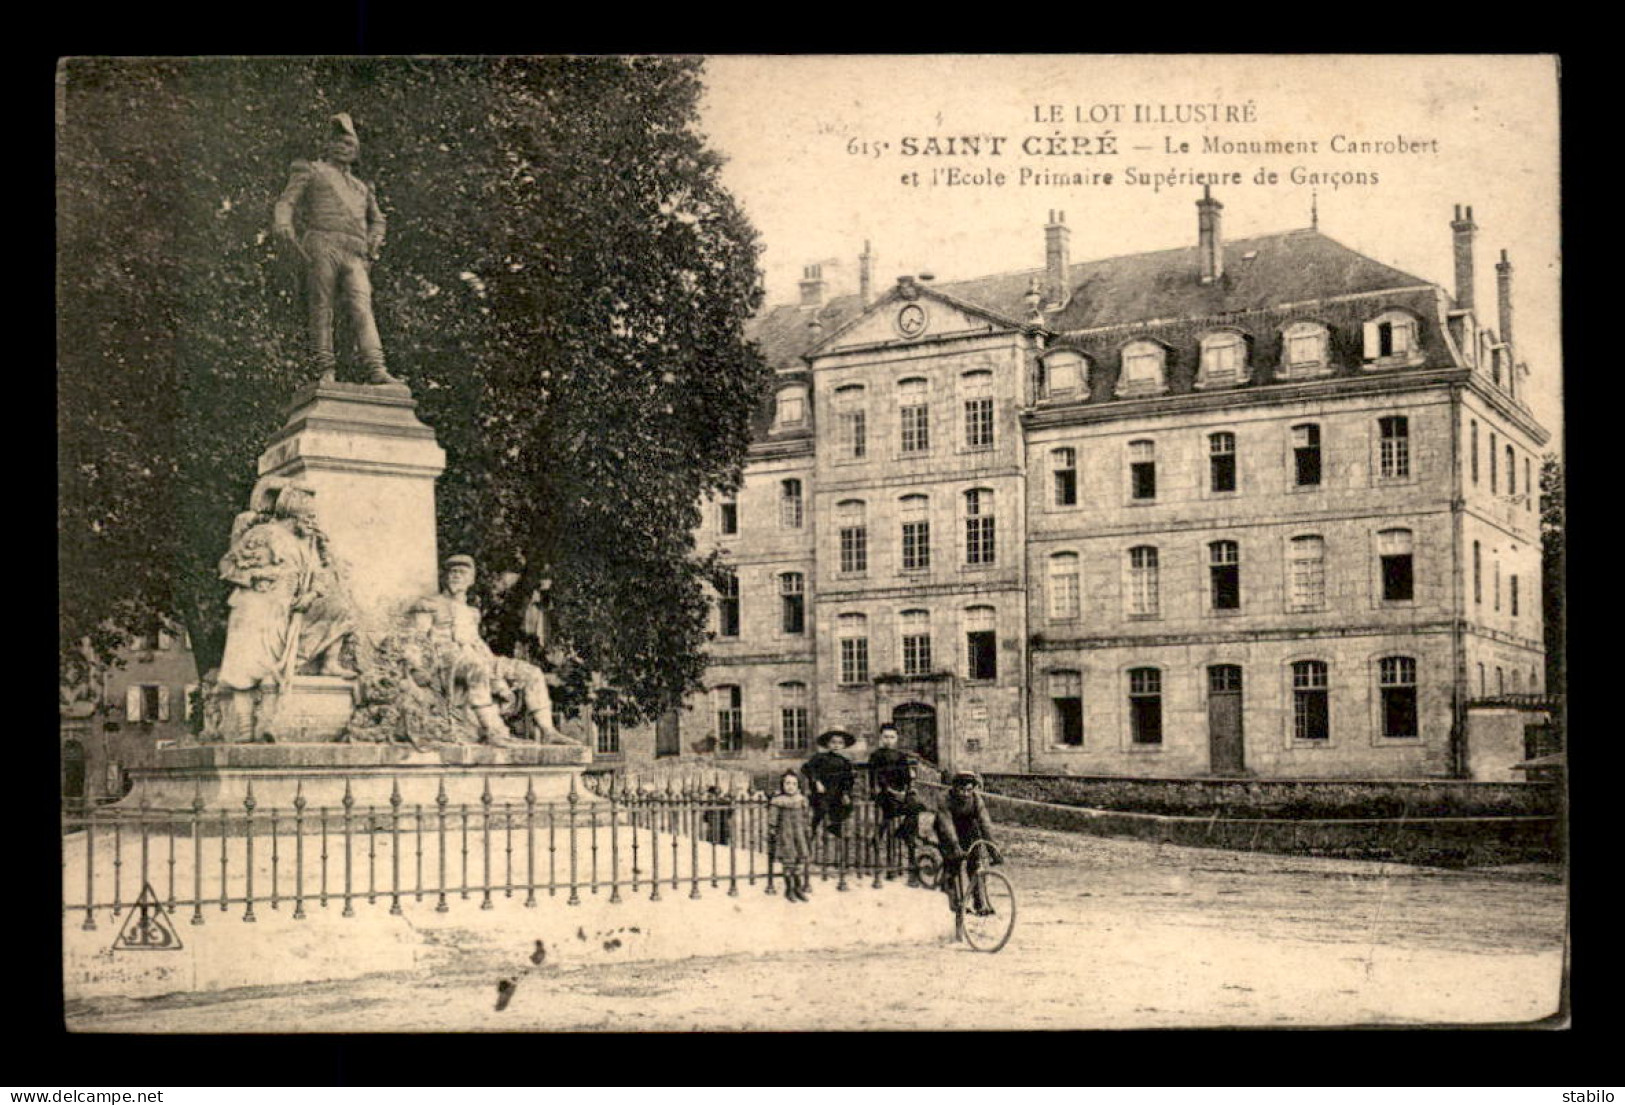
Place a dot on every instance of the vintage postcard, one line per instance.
(668, 544)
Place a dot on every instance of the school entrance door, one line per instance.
(917, 729)
(1224, 718)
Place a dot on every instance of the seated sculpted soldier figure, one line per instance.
(340, 234)
(469, 669)
(288, 608)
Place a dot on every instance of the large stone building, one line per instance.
(1261, 506)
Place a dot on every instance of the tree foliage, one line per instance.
(1553, 558)
(564, 288)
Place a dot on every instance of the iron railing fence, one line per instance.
(619, 843)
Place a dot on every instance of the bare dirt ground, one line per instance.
(1111, 934)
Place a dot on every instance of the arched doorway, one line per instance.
(73, 769)
(917, 729)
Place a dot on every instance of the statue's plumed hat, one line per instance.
(458, 559)
(342, 126)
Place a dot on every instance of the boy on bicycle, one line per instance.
(961, 820)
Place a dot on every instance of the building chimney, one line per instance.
(1209, 239)
(1503, 288)
(866, 276)
(812, 286)
(1058, 258)
(1463, 229)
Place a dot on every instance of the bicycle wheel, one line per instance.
(928, 866)
(989, 923)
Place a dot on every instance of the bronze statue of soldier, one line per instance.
(333, 222)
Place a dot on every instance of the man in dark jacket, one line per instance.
(961, 820)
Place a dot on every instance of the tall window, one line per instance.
(853, 530)
(793, 602)
(791, 512)
(978, 393)
(606, 725)
(913, 400)
(791, 408)
(915, 513)
(1394, 548)
(1512, 472)
(730, 709)
(147, 702)
(728, 606)
(1483, 687)
(1063, 586)
(1394, 436)
(1221, 461)
(1142, 469)
(1064, 466)
(1306, 454)
(1528, 488)
(1311, 710)
(1492, 463)
(1224, 574)
(1500, 680)
(1396, 681)
(1304, 348)
(1307, 571)
(1474, 451)
(851, 421)
(1512, 597)
(1066, 705)
(916, 642)
(1145, 705)
(1224, 358)
(979, 527)
(793, 717)
(852, 633)
(981, 643)
(728, 516)
(1142, 582)
(1497, 582)
(1478, 573)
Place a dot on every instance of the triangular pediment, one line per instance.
(912, 315)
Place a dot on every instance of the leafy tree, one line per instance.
(564, 288)
(1553, 556)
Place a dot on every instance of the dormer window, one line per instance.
(1303, 350)
(1143, 363)
(1067, 374)
(791, 407)
(1391, 339)
(1224, 359)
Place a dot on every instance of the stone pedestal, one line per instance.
(316, 708)
(222, 775)
(373, 466)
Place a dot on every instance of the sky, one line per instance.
(816, 151)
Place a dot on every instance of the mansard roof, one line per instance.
(1259, 273)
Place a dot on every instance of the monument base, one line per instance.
(224, 775)
(316, 708)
